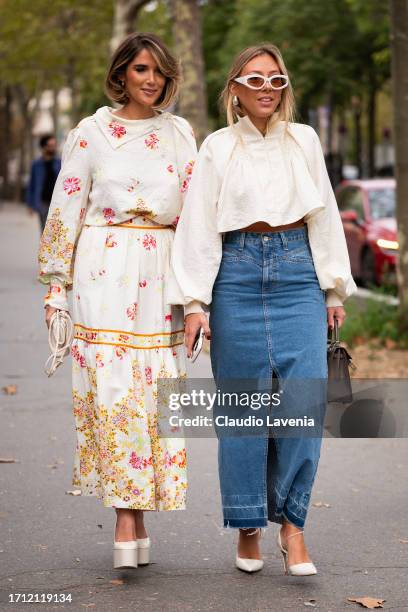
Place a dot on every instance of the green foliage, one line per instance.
(375, 320)
(47, 45)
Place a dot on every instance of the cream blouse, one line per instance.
(113, 169)
(242, 177)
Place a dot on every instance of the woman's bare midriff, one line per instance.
(261, 226)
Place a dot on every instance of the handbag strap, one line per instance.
(335, 332)
(60, 334)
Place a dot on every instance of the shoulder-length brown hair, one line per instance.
(286, 109)
(124, 54)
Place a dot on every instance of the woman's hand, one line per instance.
(49, 311)
(194, 321)
(338, 312)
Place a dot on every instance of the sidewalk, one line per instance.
(51, 542)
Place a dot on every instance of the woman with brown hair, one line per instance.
(109, 235)
(260, 244)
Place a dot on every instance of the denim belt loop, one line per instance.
(241, 241)
(284, 240)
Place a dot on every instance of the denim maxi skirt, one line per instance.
(269, 327)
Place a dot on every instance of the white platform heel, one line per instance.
(250, 565)
(298, 569)
(143, 551)
(125, 554)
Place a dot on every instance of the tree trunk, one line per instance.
(357, 138)
(372, 111)
(5, 144)
(55, 112)
(188, 42)
(124, 21)
(399, 51)
(22, 100)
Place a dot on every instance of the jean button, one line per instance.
(265, 238)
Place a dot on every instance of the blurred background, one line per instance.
(347, 64)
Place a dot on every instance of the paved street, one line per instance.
(51, 542)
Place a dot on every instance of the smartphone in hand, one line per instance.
(198, 345)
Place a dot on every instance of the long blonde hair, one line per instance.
(286, 109)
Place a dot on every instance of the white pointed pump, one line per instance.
(298, 569)
(250, 565)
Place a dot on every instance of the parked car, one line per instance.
(367, 209)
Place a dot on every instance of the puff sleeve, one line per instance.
(197, 248)
(64, 221)
(326, 235)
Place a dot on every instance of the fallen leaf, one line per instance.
(390, 344)
(116, 582)
(8, 460)
(75, 492)
(320, 504)
(10, 389)
(311, 603)
(368, 602)
(404, 541)
(100, 526)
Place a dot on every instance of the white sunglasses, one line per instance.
(257, 81)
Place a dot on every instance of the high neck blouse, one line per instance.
(242, 177)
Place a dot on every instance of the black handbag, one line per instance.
(339, 361)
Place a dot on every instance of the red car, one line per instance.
(367, 209)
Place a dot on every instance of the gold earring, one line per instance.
(235, 101)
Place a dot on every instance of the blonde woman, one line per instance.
(261, 245)
(109, 234)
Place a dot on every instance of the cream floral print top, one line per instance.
(112, 170)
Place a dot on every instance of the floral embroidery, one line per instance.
(55, 244)
(188, 169)
(77, 356)
(152, 141)
(142, 283)
(117, 130)
(120, 351)
(131, 311)
(170, 168)
(168, 317)
(110, 242)
(83, 143)
(141, 204)
(99, 360)
(148, 374)
(175, 221)
(139, 463)
(149, 242)
(109, 214)
(133, 184)
(72, 185)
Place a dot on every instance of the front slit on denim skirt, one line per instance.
(268, 323)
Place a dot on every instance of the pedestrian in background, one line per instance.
(260, 244)
(115, 206)
(43, 175)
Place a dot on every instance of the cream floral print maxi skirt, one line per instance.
(125, 338)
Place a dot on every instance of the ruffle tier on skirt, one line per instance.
(126, 337)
